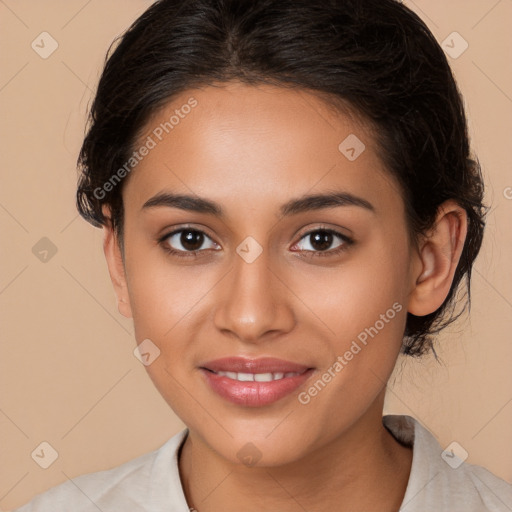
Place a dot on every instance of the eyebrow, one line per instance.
(302, 204)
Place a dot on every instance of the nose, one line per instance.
(255, 302)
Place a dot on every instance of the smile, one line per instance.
(253, 382)
(257, 377)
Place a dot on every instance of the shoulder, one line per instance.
(135, 485)
(441, 480)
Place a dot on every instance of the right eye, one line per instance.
(187, 242)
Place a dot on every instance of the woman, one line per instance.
(289, 201)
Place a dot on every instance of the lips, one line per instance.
(254, 382)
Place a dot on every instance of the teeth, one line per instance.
(257, 377)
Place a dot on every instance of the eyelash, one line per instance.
(347, 242)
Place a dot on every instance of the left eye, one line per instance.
(321, 240)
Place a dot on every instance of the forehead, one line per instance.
(251, 143)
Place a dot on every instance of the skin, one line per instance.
(252, 149)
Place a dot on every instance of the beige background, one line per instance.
(68, 374)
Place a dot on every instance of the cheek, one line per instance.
(364, 304)
(381, 312)
(353, 296)
(161, 293)
(164, 299)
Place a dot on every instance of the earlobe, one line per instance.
(439, 255)
(116, 270)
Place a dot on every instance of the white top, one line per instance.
(439, 481)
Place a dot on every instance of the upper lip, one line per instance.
(262, 365)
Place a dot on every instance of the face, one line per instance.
(249, 268)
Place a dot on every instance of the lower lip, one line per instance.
(254, 394)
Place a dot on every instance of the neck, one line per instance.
(364, 468)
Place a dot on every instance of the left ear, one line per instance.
(439, 254)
